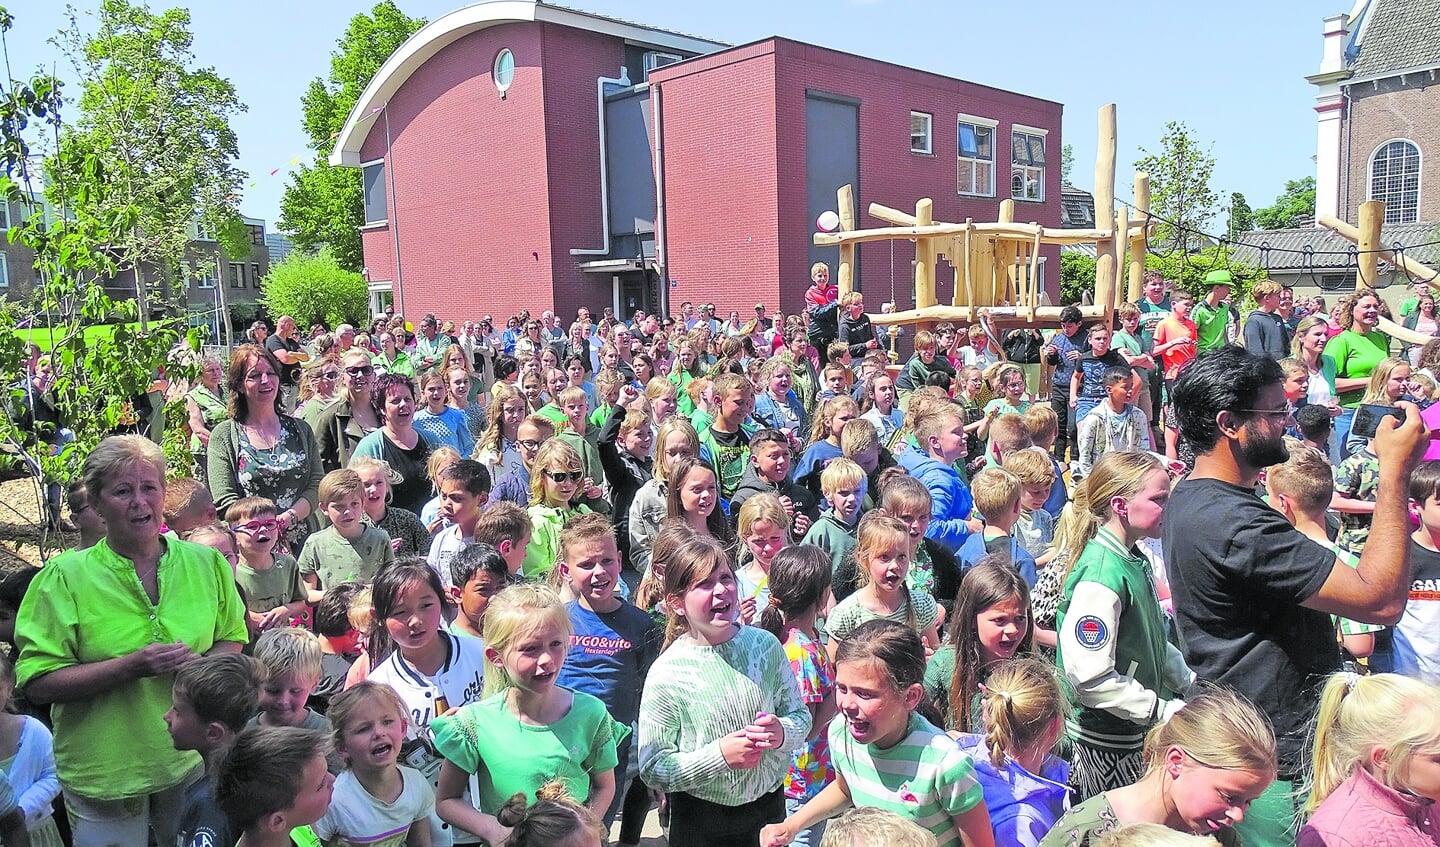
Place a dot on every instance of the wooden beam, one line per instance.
(924, 255)
(1137, 243)
(1000, 314)
(845, 274)
(1016, 231)
(1352, 234)
(1005, 257)
(1372, 215)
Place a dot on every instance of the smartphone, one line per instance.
(1368, 417)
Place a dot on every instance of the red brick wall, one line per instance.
(736, 121)
(469, 177)
(574, 61)
(1387, 113)
(721, 218)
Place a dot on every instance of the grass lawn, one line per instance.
(43, 336)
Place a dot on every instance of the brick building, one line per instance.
(518, 154)
(1379, 138)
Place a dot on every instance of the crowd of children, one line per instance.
(765, 590)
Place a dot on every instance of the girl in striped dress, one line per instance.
(721, 714)
(885, 754)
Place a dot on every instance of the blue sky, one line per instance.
(1233, 71)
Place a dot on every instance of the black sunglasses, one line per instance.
(562, 477)
(360, 370)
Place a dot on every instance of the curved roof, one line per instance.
(451, 27)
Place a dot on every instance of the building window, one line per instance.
(1395, 178)
(654, 60)
(4, 270)
(205, 280)
(504, 71)
(1027, 165)
(372, 177)
(4, 214)
(1337, 282)
(975, 151)
(922, 133)
(237, 276)
(255, 274)
(257, 234)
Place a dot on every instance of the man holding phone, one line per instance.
(1253, 596)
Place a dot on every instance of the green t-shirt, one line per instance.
(86, 606)
(1210, 324)
(335, 559)
(1355, 356)
(271, 588)
(509, 757)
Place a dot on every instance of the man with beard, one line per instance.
(1253, 596)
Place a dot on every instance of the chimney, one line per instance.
(1329, 115)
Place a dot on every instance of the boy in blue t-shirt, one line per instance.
(612, 646)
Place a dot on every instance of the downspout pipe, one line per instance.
(622, 81)
(662, 253)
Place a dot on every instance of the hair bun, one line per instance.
(513, 812)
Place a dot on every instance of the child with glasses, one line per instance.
(269, 580)
(557, 485)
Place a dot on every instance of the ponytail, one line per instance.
(1119, 473)
(799, 578)
(1022, 702)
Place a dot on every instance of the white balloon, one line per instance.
(828, 222)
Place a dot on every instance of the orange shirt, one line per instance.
(1175, 358)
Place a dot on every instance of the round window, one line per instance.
(504, 72)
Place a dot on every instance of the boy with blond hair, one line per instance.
(1044, 427)
(188, 504)
(1265, 330)
(997, 498)
(926, 361)
(1301, 489)
(1035, 529)
(349, 550)
(940, 443)
(1008, 433)
(212, 699)
(293, 663)
(843, 484)
(725, 444)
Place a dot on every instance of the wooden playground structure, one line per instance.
(1366, 237)
(997, 264)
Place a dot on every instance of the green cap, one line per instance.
(1219, 277)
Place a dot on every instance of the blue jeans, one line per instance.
(806, 837)
(1339, 434)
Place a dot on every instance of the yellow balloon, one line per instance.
(409, 327)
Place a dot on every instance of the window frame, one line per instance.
(4, 271)
(976, 123)
(237, 275)
(1028, 168)
(5, 210)
(365, 194)
(1399, 217)
(929, 148)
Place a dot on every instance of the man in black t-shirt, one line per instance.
(286, 349)
(1253, 597)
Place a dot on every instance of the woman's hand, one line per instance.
(157, 659)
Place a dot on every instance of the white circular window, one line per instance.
(504, 71)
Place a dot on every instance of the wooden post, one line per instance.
(1372, 215)
(1005, 258)
(969, 278)
(1122, 225)
(1137, 244)
(845, 274)
(924, 256)
(1105, 207)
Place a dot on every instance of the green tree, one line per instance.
(314, 288)
(1180, 192)
(1077, 276)
(158, 130)
(1241, 218)
(324, 205)
(1067, 162)
(1188, 270)
(1294, 207)
(101, 356)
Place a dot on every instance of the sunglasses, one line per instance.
(331, 374)
(360, 370)
(562, 477)
(256, 526)
(531, 444)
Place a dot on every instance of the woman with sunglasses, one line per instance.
(319, 388)
(557, 485)
(351, 417)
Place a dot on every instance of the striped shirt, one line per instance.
(696, 695)
(926, 777)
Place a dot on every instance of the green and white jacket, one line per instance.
(1126, 676)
